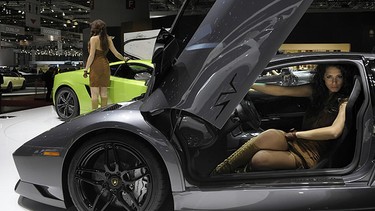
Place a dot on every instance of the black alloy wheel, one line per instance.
(114, 172)
(66, 103)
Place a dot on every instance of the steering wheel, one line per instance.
(248, 114)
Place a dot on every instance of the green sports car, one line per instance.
(71, 91)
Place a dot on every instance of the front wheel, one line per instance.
(66, 103)
(23, 85)
(115, 172)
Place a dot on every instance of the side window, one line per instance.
(287, 76)
(124, 71)
(114, 68)
(132, 71)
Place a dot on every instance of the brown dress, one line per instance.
(310, 151)
(99, 70)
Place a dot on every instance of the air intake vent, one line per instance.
(113, 107)
(6, 117)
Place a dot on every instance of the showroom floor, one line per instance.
(15, 129)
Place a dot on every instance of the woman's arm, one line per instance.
(114, 50)
(295, 91)
(326, 133)
(93, 45)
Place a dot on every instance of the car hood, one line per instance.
(207, 69)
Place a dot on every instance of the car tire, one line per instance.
(10, 87)
(66, 103)
(23, 85)
(116, 172)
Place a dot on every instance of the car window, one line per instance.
(130, 71)
(372, 65)
(114, 68)
(7, 74)
(288, 76)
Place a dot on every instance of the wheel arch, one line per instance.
(9, 87)
(79, 142)
(5, 86)
(69, 87)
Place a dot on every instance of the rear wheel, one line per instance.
(10, 87)
(66, 103)
(116, 172)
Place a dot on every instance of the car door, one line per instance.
(126, 83)
(333, 188)
(213, 65)
(17, 80)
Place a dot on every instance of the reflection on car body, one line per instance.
(160, 150)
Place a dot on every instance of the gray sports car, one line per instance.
(158, 153)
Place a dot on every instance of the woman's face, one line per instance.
(333, 79)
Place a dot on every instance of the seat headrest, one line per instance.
(355, 91)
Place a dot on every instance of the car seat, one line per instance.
(346, 141)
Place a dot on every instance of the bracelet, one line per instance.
(294, 134)
(291, 136)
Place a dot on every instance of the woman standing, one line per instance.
(98, 64)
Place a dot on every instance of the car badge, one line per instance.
(114, 182)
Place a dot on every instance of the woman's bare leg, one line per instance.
(103, 96)
(269, 159)
(268, 140)
(94, 97)
(272, 139)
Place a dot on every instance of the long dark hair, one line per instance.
(98, 27)
(320, 94)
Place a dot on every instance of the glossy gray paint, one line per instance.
(232, 45)
(261, 191)
(214, 80)
(48, 171)
(349, 188)
(288, 198)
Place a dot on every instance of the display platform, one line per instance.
(17, 128)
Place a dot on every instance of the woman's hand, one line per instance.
(85, 74)
(126, 59)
